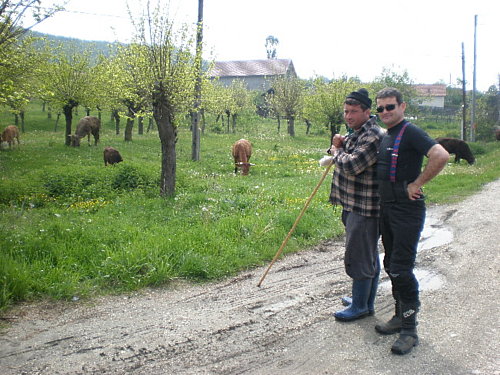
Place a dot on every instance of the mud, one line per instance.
(285, 326)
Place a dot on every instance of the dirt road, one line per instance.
(285, 326)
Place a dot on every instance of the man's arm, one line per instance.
(438, 157)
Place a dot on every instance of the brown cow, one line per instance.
(111, 156)
(497, 134)
(458, 147)
(86, 126)
(242, 150)
(10, 134)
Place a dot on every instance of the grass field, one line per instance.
(71, 227)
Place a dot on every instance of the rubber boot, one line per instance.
(394, 324)
(408, 337)
(358, 308)
(373, 295)
(346, 301)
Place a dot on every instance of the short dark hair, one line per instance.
(390, 92)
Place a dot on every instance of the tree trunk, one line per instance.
(128, 129)
(116, 117)
(291, 126)
(168, 137)
(195, 135)
(140, 126)
(150, 125)
(234, 122)
(68, 115)
(57, 121)
(308, 126)
(130, 125)
(21, 115)
(203, 122)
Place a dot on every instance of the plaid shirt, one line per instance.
(354, 184)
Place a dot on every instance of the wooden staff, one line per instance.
(278, 253)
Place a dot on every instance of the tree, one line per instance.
(488, 114)
(287, 99)
(19, 77)
(271, 45)
(66, 83)
(216, 100)
(400, 81)
(172, 73)
(238, 102)
(324, 103)
(133, 81)
(13, 13)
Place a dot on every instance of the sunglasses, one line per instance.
(388, 107)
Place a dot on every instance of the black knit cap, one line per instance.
(361, 96)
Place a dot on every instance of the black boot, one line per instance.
(394, 324)
(408, 337)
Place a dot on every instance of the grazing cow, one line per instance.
(497, 134)
(10, 134)
(242, 150)
(111, 156)
(458, 147)
(86, 126)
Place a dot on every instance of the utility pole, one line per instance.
(473, 109)
(196, 115)
(464, 98)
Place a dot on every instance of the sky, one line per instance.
(322, 37)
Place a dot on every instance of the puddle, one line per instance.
(426, 281)
(433, 235)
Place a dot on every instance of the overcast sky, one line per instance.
(323, 37)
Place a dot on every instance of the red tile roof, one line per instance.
(431, 90)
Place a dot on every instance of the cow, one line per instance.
(242, 150)
(9, 135)
(86, 126)
(458, 147)
(497, 134)
(111, 156)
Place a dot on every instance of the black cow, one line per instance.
(458, 147)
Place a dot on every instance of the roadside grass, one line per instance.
(72, 228)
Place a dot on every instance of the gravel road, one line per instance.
(285, 326)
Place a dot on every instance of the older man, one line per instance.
(354, 187)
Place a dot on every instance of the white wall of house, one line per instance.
(436, 102)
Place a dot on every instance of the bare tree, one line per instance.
(12, 14)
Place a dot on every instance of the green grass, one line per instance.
(71, 227)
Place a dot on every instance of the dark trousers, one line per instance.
(361, 245)
(401, 224)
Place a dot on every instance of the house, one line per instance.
(257, 74)
(431, 95)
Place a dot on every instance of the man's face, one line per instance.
(355, 116)
(388, 116)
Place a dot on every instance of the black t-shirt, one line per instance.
(415, 143)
